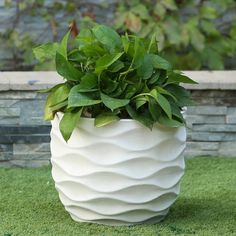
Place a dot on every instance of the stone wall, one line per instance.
(24, 135)
(39, 29)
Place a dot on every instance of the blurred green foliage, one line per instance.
(192, 34)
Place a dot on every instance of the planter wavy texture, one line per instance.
(120, 174)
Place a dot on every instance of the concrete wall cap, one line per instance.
(33, 80)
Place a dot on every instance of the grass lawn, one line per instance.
(29, 204)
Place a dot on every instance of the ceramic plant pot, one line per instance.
(120, 174)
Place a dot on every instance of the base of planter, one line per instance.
(123, 174)
(154, 220)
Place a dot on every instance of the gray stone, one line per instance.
(5, 148)
(8, 103)
(214, 97)
(231, 111)
(31, 148)
(29, 109)
(32, 156)
(199, 146)
(5, 156)
(9, 121)
(231, 119)
(5, 151)
(227, 149)
(209, 136)
(24, 130)
(19, 95)
(4, 83)
(197, 119)
(7, 139)
(199, 153)
(189, 134)
(214, 127)
(40, 121)
(9, 112)
(28, 163)
(207, 110)
(29, 80)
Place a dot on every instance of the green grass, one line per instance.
(29, 204)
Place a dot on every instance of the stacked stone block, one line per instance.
(24, 135)
(211, 124)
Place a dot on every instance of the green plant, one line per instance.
(109, 77)
(191, 34)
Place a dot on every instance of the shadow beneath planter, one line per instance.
(202, 211)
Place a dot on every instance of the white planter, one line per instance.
(120, 174)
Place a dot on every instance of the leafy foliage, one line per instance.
(125, 79)
(190, 33)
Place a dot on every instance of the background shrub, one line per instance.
(192, 34)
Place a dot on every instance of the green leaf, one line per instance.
(152, 46)
(175, 77)
(118, 90)
(76, 56)
(108, 85)
(59, 106)
(176, 111)
(107, 36)
(181, 94)
(133, 22)
(146, 69)
(141, 10)
(104, 62)
(45, 51)
(159, 10)
(154, 108)
(163, 91)
(85, 37)
(208, 12)
(105, 119)
(78, 99)
(90, 50)
(63, 46)
(172, 30)
(88, 82)
(197, 38)
(169, 4)
(163, 120)
(155, 77)
(56, 96)
(116, 66)
(143, 119)
(130, 91)
(65, 69)
(233, 32)
(125, 42)
(209, 28)
(113, 103)
(48, 90)
(68, 123)
(163, 102)
(159, 62)
(140, 101)
(139, 52)
(213, 59)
